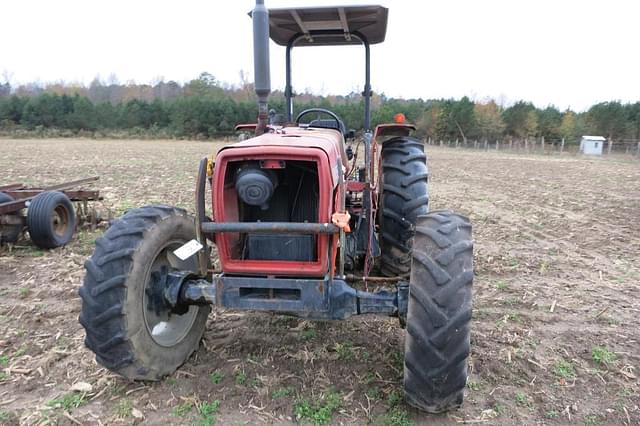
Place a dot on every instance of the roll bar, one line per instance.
(288, 90)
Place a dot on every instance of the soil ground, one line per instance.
(556, 327)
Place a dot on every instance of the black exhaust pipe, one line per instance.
(261, 69)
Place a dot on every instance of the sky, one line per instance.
(568, 53)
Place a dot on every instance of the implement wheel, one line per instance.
(405, 196)
(51, 220)
(129, 327)
(437, 342)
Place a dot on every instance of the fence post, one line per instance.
(542, 144)
(526, 143)
(497, 144)
(562, 146)
(510, 144)
(609, 147)
(456, 143)
(485, 144)
(475, 144)
(441, 142)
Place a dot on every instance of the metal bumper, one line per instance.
(270, 227)
(308, 298)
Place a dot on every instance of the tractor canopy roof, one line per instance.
(328, 26)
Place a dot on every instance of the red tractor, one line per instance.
(295, 217)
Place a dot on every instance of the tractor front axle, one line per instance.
(308, 298)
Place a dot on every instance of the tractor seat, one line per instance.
(328, 123)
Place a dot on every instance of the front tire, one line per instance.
(437, 343)
(404, 197)
(125, 329)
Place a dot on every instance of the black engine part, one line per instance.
(255, 186)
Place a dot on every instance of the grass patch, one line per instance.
(69, 401)
(397, 360)
(124, 408)
(511, 301)
(20, 352)
(564, 369)
(609, 320)
(373, 393)
(183, 409)
(396, 417)
(216, 377)
(320, 411)
(474, 386)
(308, 334)
(509, 318)
(369, 378)
(30, 251)
(3, 376)
(5, 416)
(591, 420)
(522, 399)
(502, 285)
(4, 360)
(603, 356)
(208, 411)
(515, 318)
(283, 392)
(345, 351)
(499, 409)
(240, 378)
(626, 393)
(395, 398)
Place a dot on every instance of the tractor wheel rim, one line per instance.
(167, 328)
(60, 221)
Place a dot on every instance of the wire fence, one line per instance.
(539, 146)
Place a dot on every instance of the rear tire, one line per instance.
(51, 220)
(9, 233)
(437, 343)
(405, 196)
(124, 329)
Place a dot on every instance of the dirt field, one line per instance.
(556, 329)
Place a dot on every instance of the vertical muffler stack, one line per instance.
(261, 69)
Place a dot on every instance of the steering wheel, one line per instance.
(339, 124)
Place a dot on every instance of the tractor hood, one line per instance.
(329, 141)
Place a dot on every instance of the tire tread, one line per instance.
(437, 343)
(39, 219)
(104, 291)
(404, 198)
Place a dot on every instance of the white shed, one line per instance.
(592, 145)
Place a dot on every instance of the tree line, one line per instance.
(207, 108)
